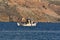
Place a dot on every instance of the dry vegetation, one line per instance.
(38, 10)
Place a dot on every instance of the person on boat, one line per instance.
(29, 21)
(23, 20)
(32, 22)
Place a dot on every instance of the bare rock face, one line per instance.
(38, 10)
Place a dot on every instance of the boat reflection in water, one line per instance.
(27, 23)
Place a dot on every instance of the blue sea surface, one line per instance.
(43, 31)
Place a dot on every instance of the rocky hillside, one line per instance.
(38, 10)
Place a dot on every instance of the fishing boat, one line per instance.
(34, 24)
(28, 23)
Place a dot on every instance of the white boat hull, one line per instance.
(26, 24)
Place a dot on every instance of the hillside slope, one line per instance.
(38, 10)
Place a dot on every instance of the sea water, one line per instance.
(43, 31)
